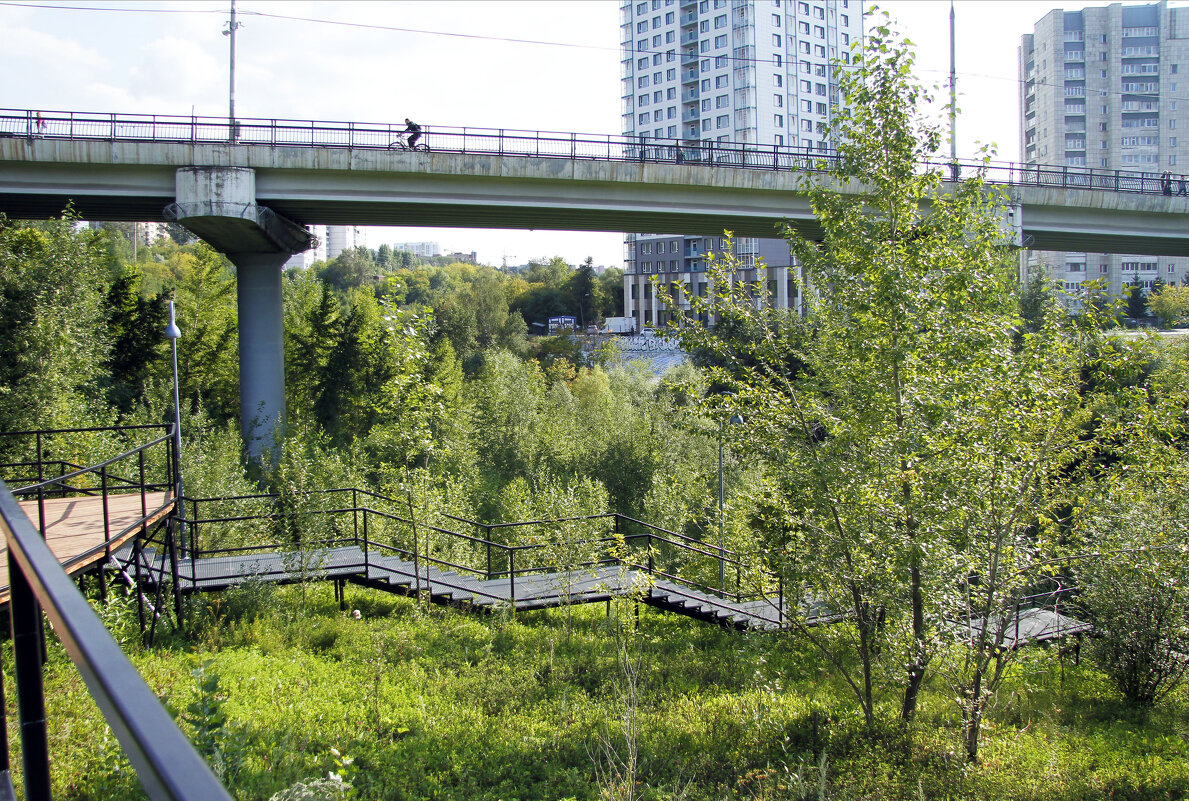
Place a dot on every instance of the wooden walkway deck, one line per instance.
(75, 528)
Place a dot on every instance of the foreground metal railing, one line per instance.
(166, 764)
(110, 127)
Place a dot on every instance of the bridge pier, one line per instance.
(219, 205)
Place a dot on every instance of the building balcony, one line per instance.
(690, 95)
(689, 76)
(689, 37)
(689, 18)
(691, 114)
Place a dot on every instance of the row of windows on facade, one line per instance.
(1128, 87)
(722, 40)
(721, 21)
(1152, 121)
(1073, 142)
(1126, 266)
(722, 121)
(695, 244)
(1076, 73)
(700, 288)
(803, 8)
(1101, 38)
(720, 62)
(1132, 51)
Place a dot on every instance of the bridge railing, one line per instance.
(166, 764)
(75, 125)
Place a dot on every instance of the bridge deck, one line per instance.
(75, 528)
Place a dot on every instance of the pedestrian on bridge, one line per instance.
(1181, 186)
(1166, 182)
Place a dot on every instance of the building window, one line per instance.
(723, 121)
(776, 20)
(720, 41)
(722, 101)
(720, 21)
(778, 101)
(778, 120)
(776, 40)
(720, 81)
(803, 27)
(778, 80)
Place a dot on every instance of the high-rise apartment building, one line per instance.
(1098, 91)
(745, 72)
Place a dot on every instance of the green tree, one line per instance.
(136, 329)
(1170, 305)
(208, 364)
(54, 342)
(1137, 301)
(911, 457)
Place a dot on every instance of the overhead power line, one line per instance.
(505, 39)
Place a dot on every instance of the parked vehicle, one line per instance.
(619, 325)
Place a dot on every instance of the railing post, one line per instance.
(512, 576)
(501, 145)
(27, 649)
(4, 764)
(573, 146)
(355, 513)
(780, 597)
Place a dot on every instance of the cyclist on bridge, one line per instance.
(414, 132)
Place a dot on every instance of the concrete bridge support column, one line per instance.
(261, 348)
(219, 205)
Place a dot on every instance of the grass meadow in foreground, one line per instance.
(277, 686)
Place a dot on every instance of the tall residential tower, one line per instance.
(1098, 91)
(749, 72)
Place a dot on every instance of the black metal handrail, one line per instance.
(380, 136)
(166, 764)
(501, 560)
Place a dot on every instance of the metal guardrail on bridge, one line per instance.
(96, 126)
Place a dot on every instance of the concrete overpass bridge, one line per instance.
(250, 189)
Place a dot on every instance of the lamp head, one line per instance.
(172, 331)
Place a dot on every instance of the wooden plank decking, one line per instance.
(74, 527)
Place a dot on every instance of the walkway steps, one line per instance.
(394, 574)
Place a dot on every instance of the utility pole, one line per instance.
(232, 128)
(953, 98)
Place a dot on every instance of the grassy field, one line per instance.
(276, 686)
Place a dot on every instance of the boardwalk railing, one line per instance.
(43, 475)
(111, 127)
(166, 764)
(315, 523)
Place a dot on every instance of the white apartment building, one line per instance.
(1098, 91)
(423, 250)
(751, 72)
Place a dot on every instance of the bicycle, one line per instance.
(400, 144)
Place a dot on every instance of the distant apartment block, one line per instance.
(753, 72)
(343, 237)
(423, 250)
(1098, 91)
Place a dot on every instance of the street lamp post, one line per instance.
(735, 419)
(173, 333)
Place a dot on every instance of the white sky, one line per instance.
(145, 60)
